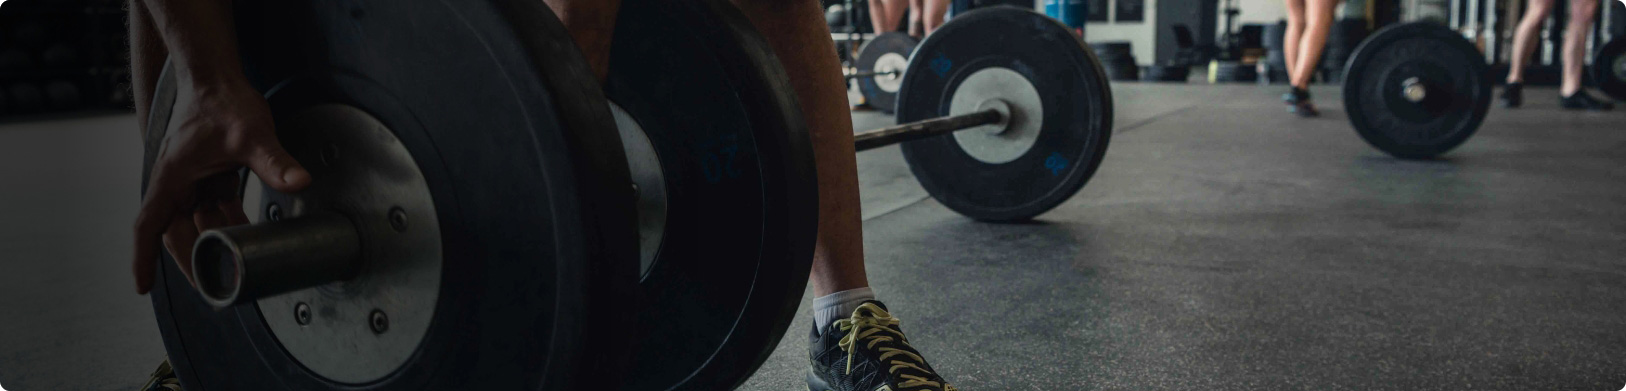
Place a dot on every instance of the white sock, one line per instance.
(839, 305)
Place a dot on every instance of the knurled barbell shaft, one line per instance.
(918, 130)
(245, 263)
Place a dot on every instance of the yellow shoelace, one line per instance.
(873, 325)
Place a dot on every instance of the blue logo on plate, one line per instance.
(1056, 163)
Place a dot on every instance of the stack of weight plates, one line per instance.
(1275, 61)
(1231, 72)
(1118, 61)
(1346, 34)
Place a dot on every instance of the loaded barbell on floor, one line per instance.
(456, 238)
(879, 67)
(1003, 114)
(1416, 90)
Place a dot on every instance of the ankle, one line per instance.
(839, 305)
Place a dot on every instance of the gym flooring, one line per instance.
(1224, 245)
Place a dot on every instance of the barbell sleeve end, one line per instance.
(242, 264)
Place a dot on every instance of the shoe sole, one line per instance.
(1302, 113)
(814, 383)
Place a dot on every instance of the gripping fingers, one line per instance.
(146, 253)
(178, 240)
(210, 216)
(233, 211)
(277, 168)
(157, 211)
(214, 195)
(170, 197)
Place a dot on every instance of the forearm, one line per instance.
(201, 39)
(147, 56)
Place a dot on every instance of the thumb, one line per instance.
(277, 168)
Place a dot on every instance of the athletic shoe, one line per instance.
(1298, 102)
(1581, 101)
(163, 379)
(868, 352)
(1513, 95)
(1291, 97)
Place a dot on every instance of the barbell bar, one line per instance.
(246, 263)
(865, 74)
(933, 127)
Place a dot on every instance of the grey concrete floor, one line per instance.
(1223, 245)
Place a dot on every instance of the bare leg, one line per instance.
(885, 14)
(1318, 23)
(1580, 23)
(592, 25)
(896, 12)
(917, 21)
(147, 56)
(878, 15)
(1524, 37)
(1295, 27)
(799, 36)
(935, 11)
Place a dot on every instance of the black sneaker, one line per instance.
(1292, 96)
(1581, 101)
(1298, 102)
(163, 379)
(867, 352)
(1513, 95)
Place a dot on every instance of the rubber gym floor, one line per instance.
(1223, 245)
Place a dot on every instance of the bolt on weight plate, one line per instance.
(1060, 104)
(544, 247)
(727, 201)
(1609, 68)
(884, 54)
(1416, 90)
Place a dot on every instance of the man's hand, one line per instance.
(194, 181)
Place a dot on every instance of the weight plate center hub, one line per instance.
(1414, 90)
(998, 89)
(649, 185)
(1412, 87)
(889, 71)
(1620, 67)
(363, 329)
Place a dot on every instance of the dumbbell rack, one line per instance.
(59, 55)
